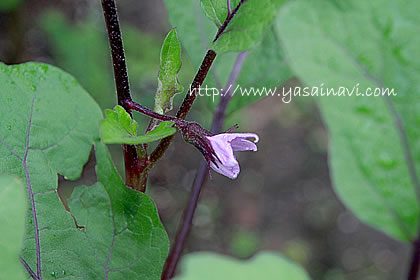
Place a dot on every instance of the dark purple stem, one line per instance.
(196, 84)
(117, 51)
(146, 111)
(200, 178)
(227, 21)
(415, 261)
(134, 163)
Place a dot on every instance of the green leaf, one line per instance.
(49, 126)
(12, 220)
(374, 147)
(9, 5)
(122, 226)
(170, 65)
(163, 130)
(248, 26)
(118, 123)
(267, 266)
(119, 128)
(217, 10)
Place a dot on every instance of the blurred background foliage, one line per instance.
(282, 202)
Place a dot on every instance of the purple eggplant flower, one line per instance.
(218, 149)
(224, 145)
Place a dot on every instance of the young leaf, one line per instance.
(374, 147)
(12, 221)
(267, 266)
(49, 126)
(170, 65)
(119, 128)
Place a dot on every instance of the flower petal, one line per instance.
(224, 145)
(223, 150)
(228, 137)
(240, 144)
(228, 171)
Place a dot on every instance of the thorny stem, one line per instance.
(134, 163)
(415, 261)
(200, 178)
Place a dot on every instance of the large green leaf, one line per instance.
(267, 266)
(49, 124)
(170, 64)
(263, 67)
(119, 128)
(12, 220)
(374, 141)
(121, 225)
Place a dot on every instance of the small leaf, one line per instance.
(119, 128)
(118, 123)
(12, 221)
(267, 266)
(170, 65)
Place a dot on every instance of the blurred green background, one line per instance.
(283, 199)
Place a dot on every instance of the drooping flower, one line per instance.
(224, 145)
(218, 149)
